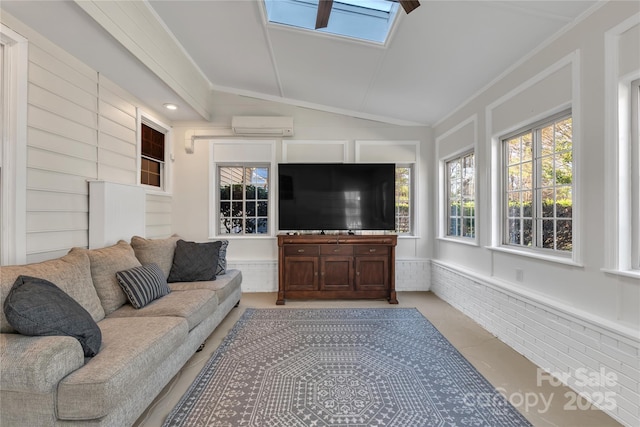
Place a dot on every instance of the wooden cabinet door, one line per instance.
(301, 273)
(372, 272)
(336, 273)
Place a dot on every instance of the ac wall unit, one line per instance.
(262, 125)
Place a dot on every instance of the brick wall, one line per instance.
(574, 347)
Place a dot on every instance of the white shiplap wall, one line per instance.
(80, 127)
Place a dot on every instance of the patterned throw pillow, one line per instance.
(222, 257)
(143, 284)
(37, 307)
(194, 262)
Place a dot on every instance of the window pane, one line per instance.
(251, 192)
(527, 147)
(514, 205)
(251, 208)
(527, 232)
(262, 208)
(564, 134)
(513, 151)
(236, 209)
(547, 141)
(548, 203)
(513, 231)
(514, 181)
(547, 171)
(236, 192)
(548, 233)
(263, 225)
(251, 226)
(564, 235)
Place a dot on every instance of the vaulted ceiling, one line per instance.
(437, 57)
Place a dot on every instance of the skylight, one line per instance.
(360, 19)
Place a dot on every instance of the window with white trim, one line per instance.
(404, 199)
(461, 196)
(155, 148)
(243, 203)
(635, 175)
(538, 186)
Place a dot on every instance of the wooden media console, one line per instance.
(343, 266)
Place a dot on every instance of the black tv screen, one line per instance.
(336, 196)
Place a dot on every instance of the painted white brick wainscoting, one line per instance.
(262, 276)
(554, 337)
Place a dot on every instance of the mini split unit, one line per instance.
(262, 125)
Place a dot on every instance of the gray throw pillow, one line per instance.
(222, 257)
(143, 284)
(37, 307)
(194, 262)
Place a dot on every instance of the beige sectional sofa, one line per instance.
(47, 380)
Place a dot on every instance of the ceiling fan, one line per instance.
(324, 10)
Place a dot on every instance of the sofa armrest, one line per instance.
(37, 364)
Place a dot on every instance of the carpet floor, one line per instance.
(340, 367)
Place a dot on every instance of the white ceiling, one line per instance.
(438, 56)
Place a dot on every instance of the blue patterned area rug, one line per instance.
(340, 367)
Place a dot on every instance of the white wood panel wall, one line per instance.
(80, 127)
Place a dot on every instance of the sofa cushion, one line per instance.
(71, 273)
(37, 307)
(223, 286)
(222, 257)
(159, 251)
(194, 261)
(143, 284)
(105, 263)
(132, 349)
(194, 306)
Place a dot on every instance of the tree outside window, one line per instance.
(539, 186)
(244, 199)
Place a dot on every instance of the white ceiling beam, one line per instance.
(134, 25)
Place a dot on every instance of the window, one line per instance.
(461, 196)
(538, 172)
(403, 199)
(360, 19)
(635, 176)
(244, 199)
(152, 157)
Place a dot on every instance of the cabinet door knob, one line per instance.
(300, 251)
(357, 273)
(372, 250)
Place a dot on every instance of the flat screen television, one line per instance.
(336, 196)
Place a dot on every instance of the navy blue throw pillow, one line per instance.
(37, 307)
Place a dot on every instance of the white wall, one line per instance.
(601, 309)
(192, 186)
(80, 127)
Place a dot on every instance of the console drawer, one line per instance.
(336, 250)
(372, 250)
(301, 250)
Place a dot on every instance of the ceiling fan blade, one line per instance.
(324, 10)
(409, 5)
